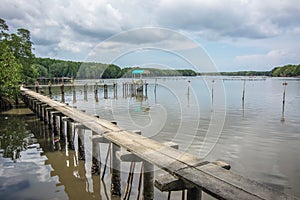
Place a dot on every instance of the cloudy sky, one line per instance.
(233, 34)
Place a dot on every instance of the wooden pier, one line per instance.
(183, 171)
(129, 89)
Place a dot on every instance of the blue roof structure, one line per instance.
(137, 71)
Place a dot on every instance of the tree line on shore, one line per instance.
(46, 67)
(18, 64)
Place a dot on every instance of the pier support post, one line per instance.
(96, 154)
(50, 89)
(70, 134)
(105, 91)
(148, 181)
(34, 106)
(42, 113)
(74, 93)
(96, 88)
(115, 85)
(85, 89)
(49, 116)
(38, 108)
(194, 194)
(115, 172)
(88, 152)
(146, 89)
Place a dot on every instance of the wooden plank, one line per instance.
(154, 152)
(260, 190)
(167, 182)
(93, 123)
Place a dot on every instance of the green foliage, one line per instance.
(91, 70)
(286, 71)
(112, 71)
(187, 72)
(48, 67)
(20, 45)
(10, 74)
(153, 72)
(246, 73)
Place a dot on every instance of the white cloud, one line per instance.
(72, 27)
(276, 57)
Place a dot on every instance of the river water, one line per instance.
(204, 115)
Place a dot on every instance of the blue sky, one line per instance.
(233, 34)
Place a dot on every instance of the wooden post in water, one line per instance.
(80, 140)
(85, 88)
(37, 87)
(96, 92)
(62, 87)
(115, 170)
(115, 90)
(283, 101)
(189, 84)
(194, 193)
(49, 88)
(146, 89)
(96, 88)
(62, 134)
(57, 129)
(148, 176)
(212, 95)
(74, 93)
(43, 113)
(68, 131)
(96, 154)
(243, 97)
(49, 116)
(88, 152)
(105, 91)
(38, 108)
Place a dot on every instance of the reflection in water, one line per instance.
(13, 137)
(29, 176)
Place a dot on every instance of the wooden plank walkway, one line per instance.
(199, 173)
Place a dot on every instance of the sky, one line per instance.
(209, 35)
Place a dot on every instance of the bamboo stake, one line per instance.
(129, 181)
(283, 101)
(106, 159)
(140, 182)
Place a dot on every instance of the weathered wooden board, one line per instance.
(93, 123)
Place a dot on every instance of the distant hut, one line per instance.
(139, 73)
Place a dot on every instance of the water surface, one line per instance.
(205, 116)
